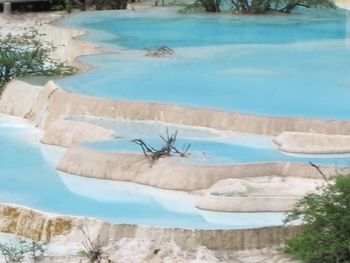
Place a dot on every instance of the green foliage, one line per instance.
(14, 252)
(68, 5)
(262, 6)
(195, 7)
(326, 215)
(36, 250)
(110, 4)
(25, 54)
(19, 249)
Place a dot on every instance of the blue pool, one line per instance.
(28, 177)
(208, 146)
(295, 65)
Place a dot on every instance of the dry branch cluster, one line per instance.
(168, 149)
(159, 51)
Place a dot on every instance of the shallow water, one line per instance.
(28, 177)
(208, 146)
(280, 66)
(149, 28)
(296, 65)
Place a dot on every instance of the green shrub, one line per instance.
(110, 4)
(262, 6)
(25, 54)
(326, 218)
(19, 249)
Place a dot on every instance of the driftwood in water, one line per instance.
(166, 150)
(159, 51)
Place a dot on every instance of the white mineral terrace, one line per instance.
(75, 122)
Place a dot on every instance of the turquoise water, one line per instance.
(207, 146)
(28, 177)
(221, 153)
(296, 65)
(281, 66)
(145, 29)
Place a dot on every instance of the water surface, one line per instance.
(292, 65)
(207, 146)
(28, 177)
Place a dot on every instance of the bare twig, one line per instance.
(167, 149)
(159, 51)
(93, 251)
(320, 171)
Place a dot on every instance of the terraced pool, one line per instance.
(28, 177)
(208, 146)
(295, 65)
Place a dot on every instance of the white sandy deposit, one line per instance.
(139, 250)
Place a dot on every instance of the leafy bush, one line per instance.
(326, 233)
(110, 4)
(25, 54)
(19, 249)
(262, 6)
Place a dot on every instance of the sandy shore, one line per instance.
(17, 23)
(343, 4)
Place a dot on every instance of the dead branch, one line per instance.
(93, 251)
(159, 51)
(320, 171)
(168, 149)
